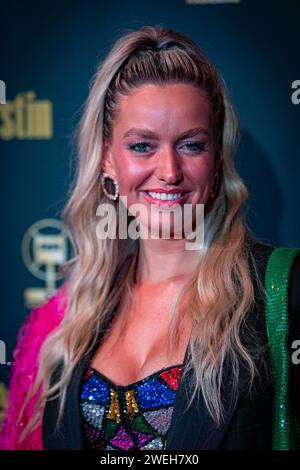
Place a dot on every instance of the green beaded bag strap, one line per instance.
(285, 430)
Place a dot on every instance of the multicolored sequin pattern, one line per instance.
(135, 416)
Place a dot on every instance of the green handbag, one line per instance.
(285, 429)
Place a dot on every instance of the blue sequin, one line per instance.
(153, 393)
(95, 390)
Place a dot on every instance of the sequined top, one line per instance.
(135, 416)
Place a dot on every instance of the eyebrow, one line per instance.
(145, 133)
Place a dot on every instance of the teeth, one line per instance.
(165, 196)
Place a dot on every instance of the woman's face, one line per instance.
(162, 141)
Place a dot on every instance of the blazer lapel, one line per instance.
(69, 436)
(194, 429)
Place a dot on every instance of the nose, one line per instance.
(168, 167)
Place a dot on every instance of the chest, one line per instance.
(136, 345)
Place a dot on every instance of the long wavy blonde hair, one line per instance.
(101, 271)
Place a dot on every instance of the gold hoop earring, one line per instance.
(104, 176)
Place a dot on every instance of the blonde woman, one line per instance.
(149, 343)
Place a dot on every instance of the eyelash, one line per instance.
(200, 146)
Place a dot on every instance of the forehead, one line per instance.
(164, 107)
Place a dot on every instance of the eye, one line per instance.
(139, 147)
(195, 147)
(192, 147)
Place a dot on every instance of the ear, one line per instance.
(107, 162)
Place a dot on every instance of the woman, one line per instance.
(148, 344)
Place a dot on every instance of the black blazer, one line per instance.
(248, 419)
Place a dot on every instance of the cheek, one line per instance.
(200, 177)
(200, 172)
(131, 175)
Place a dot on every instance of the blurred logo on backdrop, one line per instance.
(46, 245)
(25, 117)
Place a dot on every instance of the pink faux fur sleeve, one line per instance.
(39, 323)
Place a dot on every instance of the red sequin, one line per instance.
(171, 377)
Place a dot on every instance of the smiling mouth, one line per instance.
(165, 198)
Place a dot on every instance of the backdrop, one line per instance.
(50, 50)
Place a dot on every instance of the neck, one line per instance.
(165, 260)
